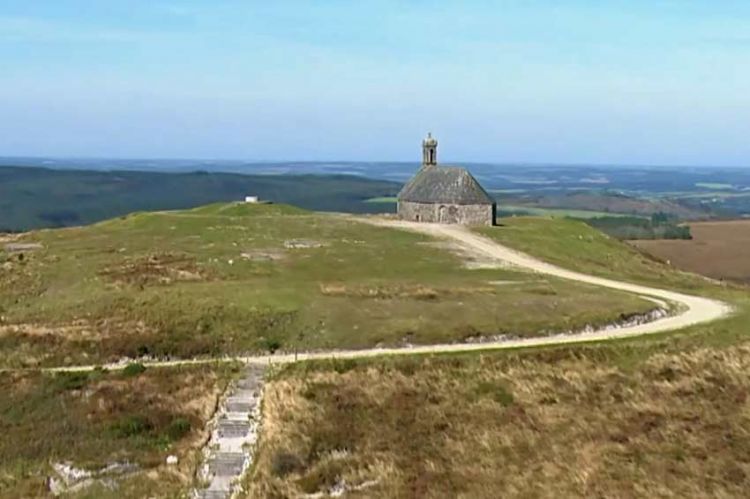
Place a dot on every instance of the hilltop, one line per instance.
(238, 279)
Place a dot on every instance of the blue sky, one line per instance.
(638, 82)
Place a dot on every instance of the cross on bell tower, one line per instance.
(429, 151)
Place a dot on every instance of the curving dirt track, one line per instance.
(692, 310)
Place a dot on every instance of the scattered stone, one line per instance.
(71, 479)
(625, 321)
(213, 494)
(302, 244)
(262, 255)
(155, 269)
(340, 488)
(16, 247)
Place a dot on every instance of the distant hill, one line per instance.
(604, 202)
(33, 197)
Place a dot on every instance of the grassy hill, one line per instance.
(662, 416)
(33, 198)
(239, 278)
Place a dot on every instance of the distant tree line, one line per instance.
(660, 226)
(32, 198)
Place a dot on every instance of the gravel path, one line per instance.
(697, 309)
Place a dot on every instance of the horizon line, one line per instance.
(345, 161)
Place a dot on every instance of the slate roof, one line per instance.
(444, 184)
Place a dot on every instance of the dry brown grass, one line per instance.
(561, 423)
(157, 268)
(718, 250)
(390, 291)
(99, 418)
(105, 333)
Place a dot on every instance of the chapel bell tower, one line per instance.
(429, 151)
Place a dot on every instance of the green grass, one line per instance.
(383, 200)
(240, 209)
(577, 246)
(714, 186)
(557, 212)
(242, 278)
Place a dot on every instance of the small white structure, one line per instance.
(251, 199)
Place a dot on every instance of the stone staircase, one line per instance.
(227, 464)
(234, 428)
(229, 451)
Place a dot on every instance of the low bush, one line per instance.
(496, 392)
(72, 380)
(178, 428)
(131, 426)
(133, 369)
(284, 463)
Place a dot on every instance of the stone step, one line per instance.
(239, 405)
(212, 494)
(242, 393)
(249, 384)
(228, 464)
(233, 428)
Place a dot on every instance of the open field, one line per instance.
(383, 200)
(607, 203)
(557, 212)
(714, 185)
(129, 419)
(239, 279)
(718, 250)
